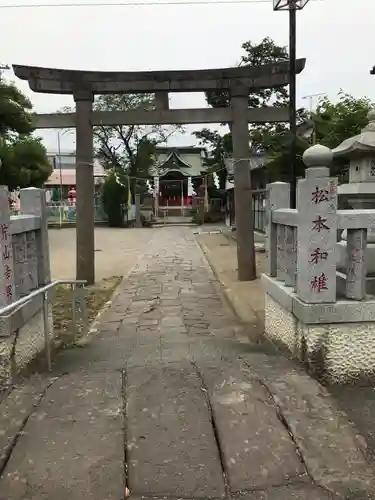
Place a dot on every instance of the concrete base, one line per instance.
(337, 353)
(22, 347)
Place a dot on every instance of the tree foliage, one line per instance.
(335, 122)
(115, 198)
(15, 111)
(24, 160)
(332, 123)
(218, 146)
(129, 148)
(256, 54)
(24, 163)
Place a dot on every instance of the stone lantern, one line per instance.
(360, 191)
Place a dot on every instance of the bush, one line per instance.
(114, 198)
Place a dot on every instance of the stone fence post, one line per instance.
(317, 229)
(138, 218)
(278, 196)
(33, 202)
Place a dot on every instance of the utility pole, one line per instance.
(310, 98)
(292, 102)
(60, 169)
(292, 6)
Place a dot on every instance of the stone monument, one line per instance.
(330, 329)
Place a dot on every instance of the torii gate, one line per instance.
(83, 85)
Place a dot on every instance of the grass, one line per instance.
(97, 296)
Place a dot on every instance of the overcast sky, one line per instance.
(336, 37)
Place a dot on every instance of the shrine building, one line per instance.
(174, 171)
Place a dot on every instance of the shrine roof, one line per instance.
(180, 149)
(176, 161)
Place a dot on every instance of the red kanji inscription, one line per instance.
(319, 195)
(317, 255)
(9, 291)
(4, 232)
(319, 283)
(7, 272)
(320, 223)
(6, 252)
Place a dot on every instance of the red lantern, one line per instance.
(72, 194)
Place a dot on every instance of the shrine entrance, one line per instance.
(173, 190)
(237, 82)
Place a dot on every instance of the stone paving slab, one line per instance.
(171, 447)
(15, 411)
(181, 346)
(328, 443)
(72, 446)
(257, 448)
(291, 492)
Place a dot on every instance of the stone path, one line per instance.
(170, 400)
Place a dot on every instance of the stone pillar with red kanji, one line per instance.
(7, 289)
(317, 229)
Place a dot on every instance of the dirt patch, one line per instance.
(97, 296)
(246, 297)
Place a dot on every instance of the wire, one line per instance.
(202, 176)
(134, 4)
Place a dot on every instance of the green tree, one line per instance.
(256, 54)
(332, 123)
(23, 157)
(218, 145)
(335, 122)
(24, 162)
(15, 111)
(115, 198)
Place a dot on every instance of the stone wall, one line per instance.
(24, 267)
(335, 352)
(22, 346)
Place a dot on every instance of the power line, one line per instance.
(135, 4)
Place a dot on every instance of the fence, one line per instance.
(301, 243)
(24, 259)
(259, 209)
(66, 214)
(26, 323)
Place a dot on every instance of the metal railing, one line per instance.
(7, 311)
(259, 209)
(66, 214)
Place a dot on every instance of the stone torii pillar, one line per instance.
(242, 185)
(85, 188)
